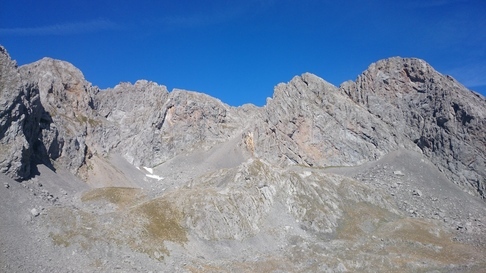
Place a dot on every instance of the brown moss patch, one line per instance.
(257, 168)
(424, 239)
(120, 196)
(154, 223)
(145, 227)
(164, 221)
(362, 218)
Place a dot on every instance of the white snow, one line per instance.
(150, 170)
(154, 176)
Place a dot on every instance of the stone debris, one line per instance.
(34, 212)
(417, 193)
(398, 173)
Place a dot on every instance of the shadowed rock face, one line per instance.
(67, 110)
(20, 121)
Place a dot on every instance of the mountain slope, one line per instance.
(368, 176)
(396, 103)
(444, 119)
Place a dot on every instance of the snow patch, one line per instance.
(150, 170)
(154, 176)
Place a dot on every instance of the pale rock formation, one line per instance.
(52, 112)
(444, 119)
(65, 111)
(309, 122)
(148, 125)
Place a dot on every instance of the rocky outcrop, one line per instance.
(309, 122)
(46, 112)
(148, 125)
(14, 147)
(21, 112)
(66, 100)
(444, 119)
(130, 117)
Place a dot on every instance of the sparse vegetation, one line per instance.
(156, 222)
(122, 197)
(84, 119)
(257, 168)
(73, 227)
(162, 221)
(144, 228)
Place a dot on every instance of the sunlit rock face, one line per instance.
(443, 118)
(395, 103)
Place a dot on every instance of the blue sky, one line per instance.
(238, 51)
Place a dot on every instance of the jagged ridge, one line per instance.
(52, 115)
(179, 181)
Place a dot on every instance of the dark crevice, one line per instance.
(461, 115)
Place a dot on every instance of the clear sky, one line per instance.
(238, 51)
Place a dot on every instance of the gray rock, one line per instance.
(417, 192)
(398, 173)
(15, 143)
(52, 114)
(45, 109)
(444, 119)
(309, 122)
(34, 212)
(145, 118)
(245, 187)
(65, 111)
(341, 268)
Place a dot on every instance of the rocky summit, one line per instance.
(386, 173)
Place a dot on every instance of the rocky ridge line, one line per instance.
(52, 112)
(443, 118)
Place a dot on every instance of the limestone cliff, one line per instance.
(51, 114)
(443, 118)
(381, 174)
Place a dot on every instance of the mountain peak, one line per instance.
(360, 177)
(404, 103)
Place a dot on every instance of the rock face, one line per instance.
(309, 122)
(145, 119)
(47, 109)
(20, 114)
(50, 110)
(444, 119)
(66, 110)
